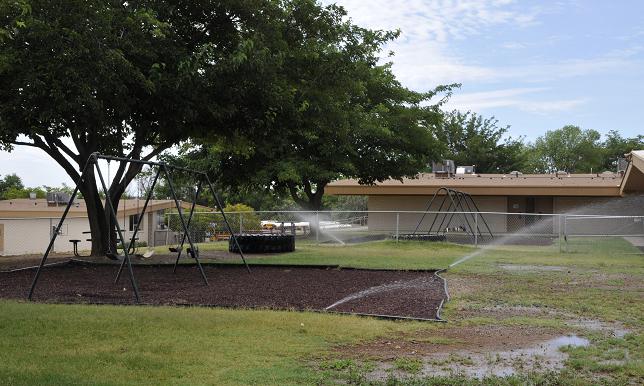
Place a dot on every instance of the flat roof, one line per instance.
(28, 208)
(601, 184)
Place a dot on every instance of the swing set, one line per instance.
(459, 204)
(162, 168)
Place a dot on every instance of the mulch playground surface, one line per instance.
(411, 294)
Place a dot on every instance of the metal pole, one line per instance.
(397, 225)
(476, 207)
(167, 230)
(183, 223)
(476, 226)
(51, 232)
(317, 227)
(223, 214)
(108, 204)
(60, 224)
(183, 239)
(566, 232)
(241, 227)
(559, 232)
(427, 209)
(138, 222)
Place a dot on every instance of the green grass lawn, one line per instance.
(79, 344)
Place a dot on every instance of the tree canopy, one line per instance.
(342, 114)
(470, 139)
(134, 78)
(575, 150)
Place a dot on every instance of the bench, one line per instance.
(75, 242)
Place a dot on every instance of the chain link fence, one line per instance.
(161, 231)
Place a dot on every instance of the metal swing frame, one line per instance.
(164, 168)
(459, 202)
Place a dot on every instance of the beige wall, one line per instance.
(632, 205)
(31, 236)
(499, 223)
(409, 221)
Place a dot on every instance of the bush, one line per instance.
(250, 220)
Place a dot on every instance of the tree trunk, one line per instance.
(312, 200)
(102, 226)
(96, 215)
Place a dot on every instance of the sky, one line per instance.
(534, 65)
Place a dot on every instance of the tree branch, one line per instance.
(58, 157)
(20, 143)
(293, 190)
(56, 142)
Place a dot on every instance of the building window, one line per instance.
(134, 219)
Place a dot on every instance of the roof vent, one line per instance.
(465, 169)
(32, 195)
(57, 198)
(561, 173)
(445, 169)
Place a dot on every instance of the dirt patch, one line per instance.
(415, 294)
(475, 339)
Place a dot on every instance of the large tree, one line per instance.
(615, 146)
(471, 139)
(569, 149)
(129, 79)
(342, 114)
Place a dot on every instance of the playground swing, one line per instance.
(460, 205)
(192, 250)
(125, 258)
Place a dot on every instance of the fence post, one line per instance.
(167, 229)
(317, 227)
(476, 229)
(565, 230)
(241, 225)
(560, 233)
(397, 225)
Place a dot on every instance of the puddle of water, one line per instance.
(542, 357)
(568, 340)
(615, 329)
(544, 268)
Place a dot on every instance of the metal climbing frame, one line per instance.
(202, 178)
(459, 203)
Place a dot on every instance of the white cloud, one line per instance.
(520, 98)
(438, 20)
(513, 45)
(545, 107)
(424, 57)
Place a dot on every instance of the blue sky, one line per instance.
(534, 65)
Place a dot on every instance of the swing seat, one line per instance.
(188, 250)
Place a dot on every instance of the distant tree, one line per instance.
(615, 146)
(471, 139)
(568, 149)
(10, 182)
(244, 213)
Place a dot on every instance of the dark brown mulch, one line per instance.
(413, 294)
